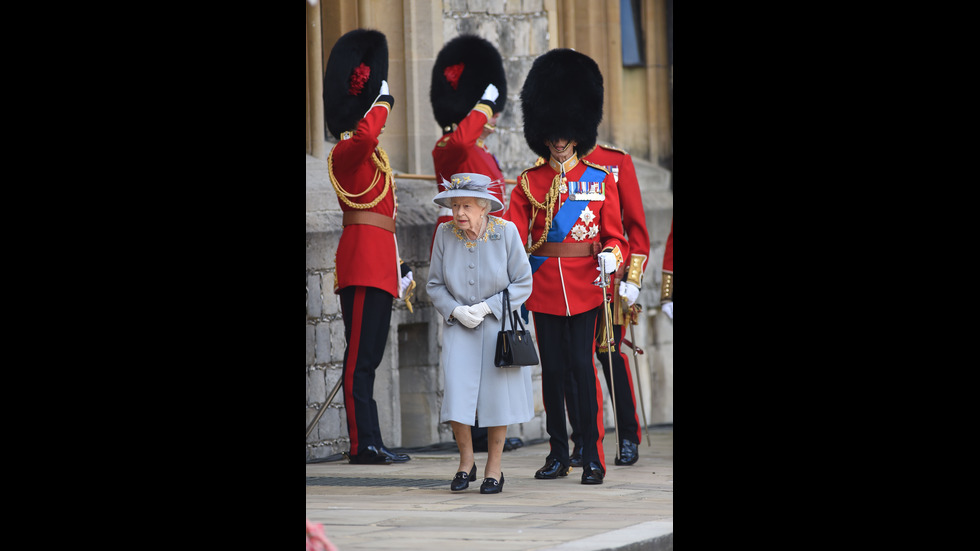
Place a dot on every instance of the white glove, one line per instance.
(480, 311)
(607, 262)
(490, 93)
(404, 282)
(668, 309)
(629, 290)
(384, 92)
(463, 315)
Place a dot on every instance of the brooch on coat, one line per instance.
(490, 233)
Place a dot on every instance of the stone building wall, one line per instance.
(520, 32)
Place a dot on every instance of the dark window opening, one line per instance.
(632, 33)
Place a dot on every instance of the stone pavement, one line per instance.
(408, 506)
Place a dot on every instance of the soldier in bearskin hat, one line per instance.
(625, 289)
(569, 208)
(468, 92)
(368, 274)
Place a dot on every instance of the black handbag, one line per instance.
(515, 348)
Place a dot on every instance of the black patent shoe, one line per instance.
(491, 486)
(575, 460)
(394, 456)
(462, 479)
(552, 469)
(628, 453)
(370, 456)
(592, 474)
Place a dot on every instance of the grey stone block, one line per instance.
(514, 33)
(310, 344)
(449, 6)
(313, 300)
(486, 6)
(338, 342)
(323, 344)
(539, 36)
(330, 301)
(315, 392)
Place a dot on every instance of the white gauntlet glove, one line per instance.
(479, 311)
(463, 315)
(490, 93)
(607, 262)
(629, 290)
(384, 88)
(668, 308)
(404, 282)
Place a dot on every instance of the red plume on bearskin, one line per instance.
(562, 99)
(462, 70)
(357, 64)
(358, 79)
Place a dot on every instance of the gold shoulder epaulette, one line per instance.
(529, 169)
(593, 165)
(540, 161)
(611, 148)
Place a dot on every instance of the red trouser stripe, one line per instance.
(355, 345)
(600, 423)
(629, 377)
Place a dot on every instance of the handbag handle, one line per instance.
(515, 318)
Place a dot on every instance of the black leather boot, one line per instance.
(370, 456)
(592, 473)
(395, 457)
(552, 469)
(628, 454)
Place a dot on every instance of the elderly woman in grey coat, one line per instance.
(475, 257)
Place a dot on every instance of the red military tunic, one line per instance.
(462, 151)
(367, 255)
(564, 286)
(667, 284)
(631, 202)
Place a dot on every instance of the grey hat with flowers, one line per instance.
(467, 184)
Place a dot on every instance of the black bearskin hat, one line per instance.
(462, 71)
(357, 64)
(562, 99)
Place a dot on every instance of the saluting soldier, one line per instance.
(368, 275)
(626, 287)
(569, 208)
(468, 92)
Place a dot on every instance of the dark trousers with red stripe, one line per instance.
(567, 346)
(367, 318)
(628, 422)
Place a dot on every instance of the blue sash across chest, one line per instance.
(567, 215)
